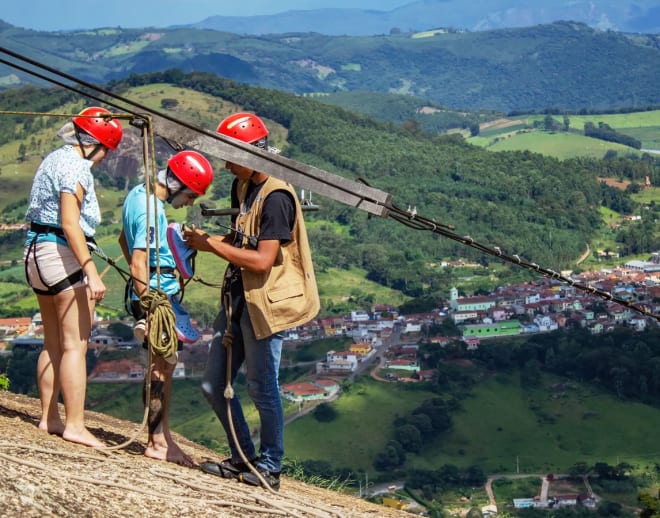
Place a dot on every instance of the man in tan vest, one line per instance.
(269, 286)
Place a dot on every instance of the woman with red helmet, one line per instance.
(187, 176)
(63, 213)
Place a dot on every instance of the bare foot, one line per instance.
(54, 428)
(83, 437)
(177, 455)
(170, 452)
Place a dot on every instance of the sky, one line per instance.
(51, 15)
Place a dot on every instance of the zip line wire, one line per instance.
(338, 188)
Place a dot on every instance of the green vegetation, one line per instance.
(414, 113)
(499, 427)
(349, 288)
(506, 489)
(502, 424)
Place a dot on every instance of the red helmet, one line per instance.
(107, 131)
(243, 126)
(193, 169)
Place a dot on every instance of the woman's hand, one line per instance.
(96, 287)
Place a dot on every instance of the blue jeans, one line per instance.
(262, 362)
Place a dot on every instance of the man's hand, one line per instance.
(196, 238)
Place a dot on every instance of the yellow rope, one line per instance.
(163, 338)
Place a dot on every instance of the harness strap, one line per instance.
(65, 283)
(165, 270)
(40, 228)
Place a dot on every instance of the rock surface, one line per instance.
(43, 475)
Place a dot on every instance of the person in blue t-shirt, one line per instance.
(187, 176)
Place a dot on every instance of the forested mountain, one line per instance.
(408, 110)
(621, 15)
(544, 209)
(563, 65)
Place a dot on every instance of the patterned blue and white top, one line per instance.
(60, 172)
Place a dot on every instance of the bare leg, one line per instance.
(160, 444)
(48, 367)
(75, 310)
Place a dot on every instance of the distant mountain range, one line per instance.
(641, 16)
(564, 65)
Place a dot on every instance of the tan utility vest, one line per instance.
(287, 295)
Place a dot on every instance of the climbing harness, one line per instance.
(66, 282)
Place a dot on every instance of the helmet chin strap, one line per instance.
(83, 147)
(172, 194)
(93, 152)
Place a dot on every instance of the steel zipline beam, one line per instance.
(318, 181)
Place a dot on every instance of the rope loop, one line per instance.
(163, 338)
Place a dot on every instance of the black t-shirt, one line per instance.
(277, 218)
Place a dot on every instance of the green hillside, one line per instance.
(498, 423)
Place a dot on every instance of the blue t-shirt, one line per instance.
(61, 172)
(134, 219)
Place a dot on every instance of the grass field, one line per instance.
(615, 120)
(506, 490)
(337, 285)
(546, 431)
(509, 134)
(558, 145)
(361, 429)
